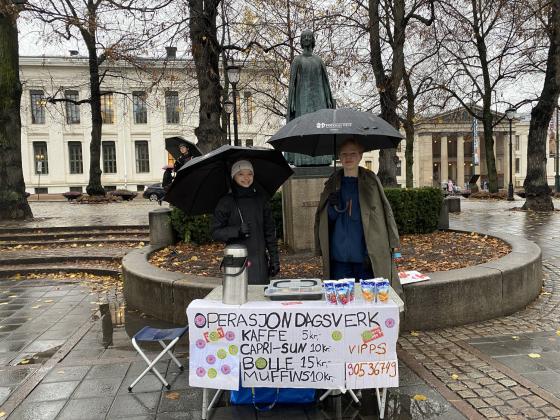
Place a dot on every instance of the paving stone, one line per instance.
(507, 382)
(466, 394)
(520, 391)
(532, 413)
(489, 413)
(472, 385)
(496, 388)
(505, 410)
(86, 409)
(483, 392)
(506, 395)
(493, 401)
(519, 403)
(535, 401)
(551, 412)
(477, 402)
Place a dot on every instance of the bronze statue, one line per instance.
(309, 91)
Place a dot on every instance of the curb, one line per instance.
(473, 294)
(76, 228)
(455, 297)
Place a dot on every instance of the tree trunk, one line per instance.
(94, 186)
(13, 203)
(206, 53)
(387, 167)
(489, 148)
(408, 125)
(536, 187)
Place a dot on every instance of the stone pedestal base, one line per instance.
(161, 232)
(453, 204)
(300, 197)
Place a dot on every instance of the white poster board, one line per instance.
(309, 344)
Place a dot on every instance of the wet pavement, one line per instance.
(503, 368)
(64, 213)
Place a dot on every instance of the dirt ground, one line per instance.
(427, 253)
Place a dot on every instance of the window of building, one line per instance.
(249, 143)
(172, 107)
(72, 109)
(38, 103)
(517, 143)
(369, 165)
(139, 107)
(109, 157)
(41, 190)
(76, 189)
(140, 187)
(110, 187)
(75, 157)
(517, 165)
(398, 168)
(248, 107)
(107, 109)
(41, 157)
(142, 156)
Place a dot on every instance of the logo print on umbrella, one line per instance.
(333, 125)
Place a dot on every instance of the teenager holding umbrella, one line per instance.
(235, 184)
(355, 231)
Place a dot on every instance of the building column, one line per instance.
(424, 161)
(444, 173)
(460, 181)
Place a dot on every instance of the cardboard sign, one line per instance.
(407, 277)
(308, 345)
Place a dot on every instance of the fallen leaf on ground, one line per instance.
(455, 376)
(414, 333)
(172, 395)
(420, 397)
(534, 355)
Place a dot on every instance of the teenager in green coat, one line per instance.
(353, 201)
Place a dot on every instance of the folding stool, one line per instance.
(153, 334)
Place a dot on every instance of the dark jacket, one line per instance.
(167, 179)
(181, 160)
(256, 212)
(380, 230)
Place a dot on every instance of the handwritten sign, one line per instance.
(305, 345)
(213, 349)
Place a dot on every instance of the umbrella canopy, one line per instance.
(322, 132)
(201, 182)
(172, 146)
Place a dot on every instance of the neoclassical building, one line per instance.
(152, 101)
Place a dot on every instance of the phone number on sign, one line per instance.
(372, 369)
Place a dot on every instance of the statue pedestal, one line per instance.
(300, 197)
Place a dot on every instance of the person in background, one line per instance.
(450, 186)
(355, 231)
(243, 216)
(167, 177)
(183, 158)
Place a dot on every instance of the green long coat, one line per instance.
(380, 230)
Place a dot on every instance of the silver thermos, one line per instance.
(235, 282)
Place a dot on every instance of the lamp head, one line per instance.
(228, 106)
(233, 73)
(511, 113)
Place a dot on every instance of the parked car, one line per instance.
(154, 192)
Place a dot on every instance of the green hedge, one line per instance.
(416, 210)
(197, 228)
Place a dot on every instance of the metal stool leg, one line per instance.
(170, 353)
(151, 364)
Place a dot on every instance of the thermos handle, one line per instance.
(242, 266)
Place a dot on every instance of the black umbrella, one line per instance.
(202, 181)
(322, 132)
(172, 146)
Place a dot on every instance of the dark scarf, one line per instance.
(242, 192)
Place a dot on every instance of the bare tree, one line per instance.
(484, 48)
(536, 187)
(111, 31)
(13, 202)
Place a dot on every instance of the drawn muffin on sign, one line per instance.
(336, 335)
(261, 363)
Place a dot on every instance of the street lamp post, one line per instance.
(233, 73)
(510, 114)
(557, 176)
(228, 108)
